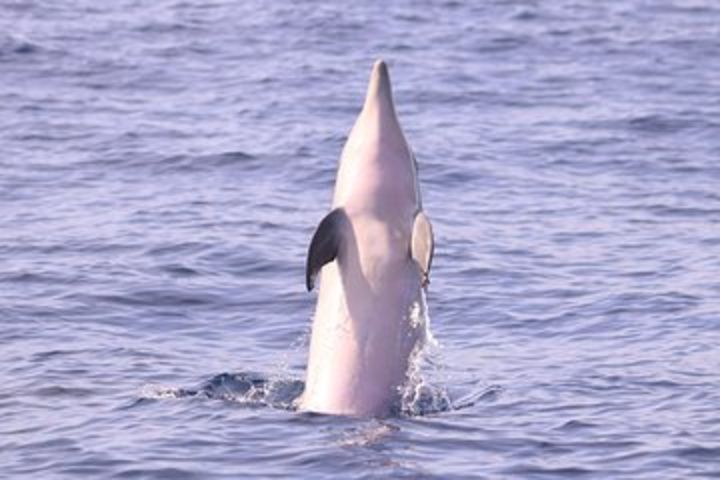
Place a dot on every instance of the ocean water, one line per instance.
(163, 165)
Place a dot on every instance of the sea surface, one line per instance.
(164, 163)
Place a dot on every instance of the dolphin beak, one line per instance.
(379, 92)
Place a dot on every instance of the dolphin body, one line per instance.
(374, 251)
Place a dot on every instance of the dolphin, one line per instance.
(373, 253)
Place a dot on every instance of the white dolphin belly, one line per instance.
(374, 250)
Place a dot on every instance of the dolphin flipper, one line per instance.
(422, 245)
(325, 245)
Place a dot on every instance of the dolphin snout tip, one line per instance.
(380, 70)
(379, 87)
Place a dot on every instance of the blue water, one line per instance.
(164, 163)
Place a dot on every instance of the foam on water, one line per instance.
(255, 390)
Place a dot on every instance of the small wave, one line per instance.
(576, 425)
(365, 436)
(179, 270)
(164, 27)
(152, 297)
(17, 45)
(488, 394)
(526, 15)
(195, 163)
(534, 471)
(658, 124)
(247, 388)
(663, 210)
(159, 392)
(61, 391)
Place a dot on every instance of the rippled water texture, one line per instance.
(164, 163)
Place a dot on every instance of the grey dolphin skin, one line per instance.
(372, 253)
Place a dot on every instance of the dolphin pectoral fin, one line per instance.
(325, 245)
(422, 245)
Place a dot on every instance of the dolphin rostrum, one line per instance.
(374, 251)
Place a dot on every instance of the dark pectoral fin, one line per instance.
(325, 245)
(422, 244)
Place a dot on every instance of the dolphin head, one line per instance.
(377, 168)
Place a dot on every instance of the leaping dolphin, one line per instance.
(374, 251)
